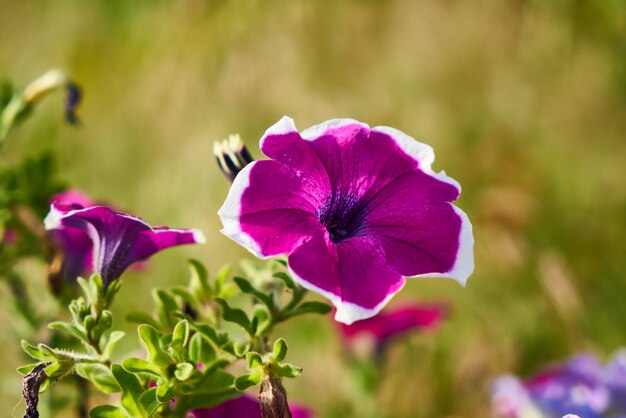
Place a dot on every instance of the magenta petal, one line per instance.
(270, 209)
(118, 239)
(420, 233)
(244, 407)
(283, 144)
(352, 274)
(396, 321)
(77, 252)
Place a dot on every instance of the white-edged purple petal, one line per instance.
(355, 209)
(118, 239)
(269, 209)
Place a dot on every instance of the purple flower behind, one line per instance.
(118, 239)
(10, 237)
(244, 407)
(396, 321)
(355, 209)
(581, 386)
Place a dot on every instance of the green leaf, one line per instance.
(131, 390)
(107, 411)
(114, 338)
(235, 315)
(220, 281)
(69, 328)
(139, 365)
(310, 307)
(183, 371)
(201, 350)
(165, 391)
(142, 318)
(199, 281)
(166, 305)
(241, 349)
(285, 278)
(180, 337)
(150, 340)
(100, 375)
(149, 401)
(279, 351)
(246, 287)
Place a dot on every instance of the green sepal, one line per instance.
(24, 370)
(254, 360)
(105, 322)
(287, 370)
(244, 382)
(33, 351)
(58, 369)
(279, 351)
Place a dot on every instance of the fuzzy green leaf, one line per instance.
(107, 411)
(131, 390)
(100, 375)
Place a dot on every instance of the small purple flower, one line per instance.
(355, 209)
(118, 239)
(581, 386)
(245, 407)
(396, 321)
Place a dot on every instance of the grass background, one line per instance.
(523, 101)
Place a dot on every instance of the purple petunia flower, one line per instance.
(75, 245)
(356, 209)
(118, 239)
(245, 407)
(581, 386)
(396, 321)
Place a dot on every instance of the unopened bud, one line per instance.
(49, 82)
(232, 156)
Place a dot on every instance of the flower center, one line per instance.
(342, 215)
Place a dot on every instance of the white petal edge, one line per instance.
(284, 125)
(420, 152)
(314, 132)
(464, 265)
(347, 312)
(230, 210)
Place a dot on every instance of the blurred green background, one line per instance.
(523, 101)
